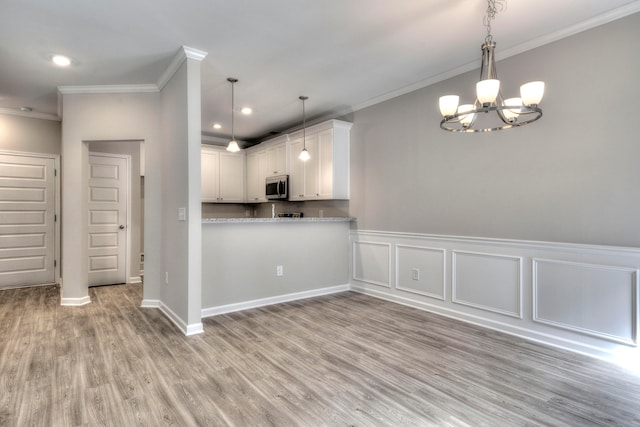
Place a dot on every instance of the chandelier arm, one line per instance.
(446, 122)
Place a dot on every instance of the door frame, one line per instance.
(127, 246)
(56, 196)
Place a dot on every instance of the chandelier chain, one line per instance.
(493, 7)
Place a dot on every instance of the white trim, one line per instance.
(353, 264)
(593, 22)
(547, 339)
(184, 53)
(88, 89)
(73, 302)
(127, 247)
(57, 276)
(134, 280)
(193, 329)
(537, 244)
(31, 114)
(171, 315)
(632, 341)
(442, 297)
(150, 303)
(454, 283)
(188, 330)
(262, 302)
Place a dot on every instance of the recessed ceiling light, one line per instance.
(61, 60)
(217, 126)
(246, 110)
(26, 109)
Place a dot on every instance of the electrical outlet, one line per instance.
(415, 273)
(166, 277)
(279, 270)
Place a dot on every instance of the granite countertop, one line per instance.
(251, 220)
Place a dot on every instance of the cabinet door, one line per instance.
(256, 173)
(232, 178)
(277, 159)
(325, 164)
(209, 176)
(296, 171)
(312, 168)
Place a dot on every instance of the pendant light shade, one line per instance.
(233, 145)
(304, 154)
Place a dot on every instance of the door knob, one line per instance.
(121, 227)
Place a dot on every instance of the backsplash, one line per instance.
(314, 208)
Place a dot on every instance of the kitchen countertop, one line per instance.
(253, 220)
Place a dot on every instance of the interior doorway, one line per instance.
(133, 150)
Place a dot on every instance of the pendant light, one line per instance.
(509, 113)
(233, 145)
(304, 154)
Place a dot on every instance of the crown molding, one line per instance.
(587, 24)
(31, 114)
(140, 88)
(183, 54)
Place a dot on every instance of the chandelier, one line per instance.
(509, 112)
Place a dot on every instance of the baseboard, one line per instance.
(74, 302)
(150, 303)
(135, 280)
(523, 333)
(245, 305)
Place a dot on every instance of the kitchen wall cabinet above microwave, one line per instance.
(222, 175)
(265, 160)
(325, 175)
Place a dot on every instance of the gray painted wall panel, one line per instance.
(239, 260)
(570, 177)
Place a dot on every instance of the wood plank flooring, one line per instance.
(343, 359)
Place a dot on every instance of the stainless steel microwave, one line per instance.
(277, 187)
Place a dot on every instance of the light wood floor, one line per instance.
(344, 359)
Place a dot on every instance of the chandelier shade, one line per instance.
(490, 111)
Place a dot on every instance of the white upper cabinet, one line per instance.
(223, 175)
(276, 152)
(256, 173)
(326, 174)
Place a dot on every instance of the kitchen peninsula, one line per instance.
(252, 256)
(251, 262)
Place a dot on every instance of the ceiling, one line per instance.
(343, 54)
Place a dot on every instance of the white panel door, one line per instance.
(108, 185)
(27, 210)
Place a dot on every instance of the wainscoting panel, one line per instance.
(489, 282)
(372, 263)
(421, 270)
(591, 299)
(583, 298)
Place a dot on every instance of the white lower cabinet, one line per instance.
(222, 176)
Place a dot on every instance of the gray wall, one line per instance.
(29, 135)
(240, 259)
(571, 177)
